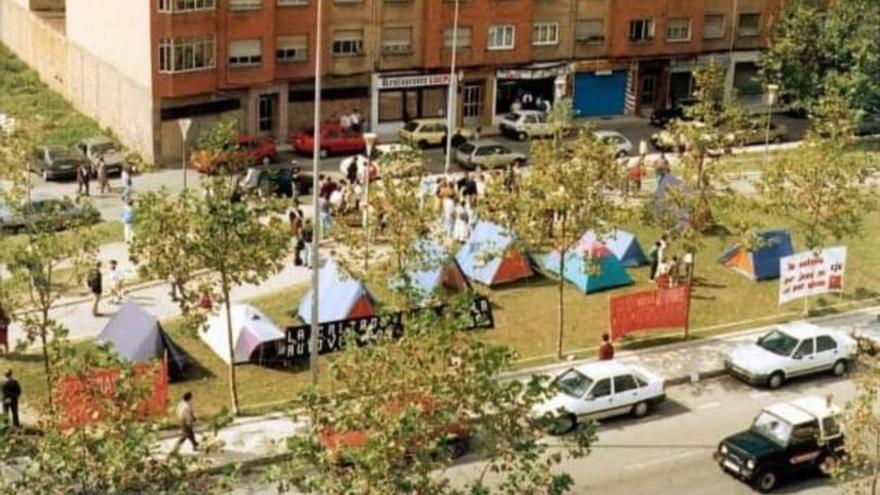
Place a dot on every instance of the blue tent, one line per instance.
(608, 273)
(340, 297)
(763, 263)
(487, 258)
(623, 244)
(435, 270)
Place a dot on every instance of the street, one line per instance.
(670, 450)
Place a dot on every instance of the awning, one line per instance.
(535, 71)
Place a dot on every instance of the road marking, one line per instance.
(643, 465)
(708, 405)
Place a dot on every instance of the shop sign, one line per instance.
(542, 73)
(413, 81)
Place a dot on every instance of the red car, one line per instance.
(249, 150)
(334, 140)
(259, 150)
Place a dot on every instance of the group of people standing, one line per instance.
(666, 271)
(352, 121)
(86, 171)
(458, 200)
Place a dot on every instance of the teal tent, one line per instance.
(589, 266)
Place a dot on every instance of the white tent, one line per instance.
(251, 329)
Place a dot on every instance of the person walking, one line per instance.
(127, 185)
(11, 392)
(606, 348)
(103, 180)
(295, 216)
(5, 320)
(461, 228)
(94, 283)
(128, 221)
(117, 279)
(83, 174)
(187, 418)
(654, 257)
(307, 235)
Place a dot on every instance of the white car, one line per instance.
(487, 154)
(621, 145)
(525, 124)
(791, 350)
(600, 390)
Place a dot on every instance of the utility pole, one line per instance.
(316, 230)
(451, 97)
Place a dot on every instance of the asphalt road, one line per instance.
(670, 451)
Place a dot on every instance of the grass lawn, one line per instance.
(24, 97)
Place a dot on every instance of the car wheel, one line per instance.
(640, 409)
(519, 163)
(776, 380)
(564, 424)
(766, 481)
(423, 144)
(777, 140)
(522, 136)
(266, 160)
(324, 153)
(839, 368)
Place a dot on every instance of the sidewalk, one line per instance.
(259, 440)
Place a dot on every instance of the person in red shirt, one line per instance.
(606, 348)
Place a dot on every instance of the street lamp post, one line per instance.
(451, 96)
(184, 132)
(316, 230)
(370, 140)
(772, 94)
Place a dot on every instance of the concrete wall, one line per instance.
(34, 40)
(118, 31)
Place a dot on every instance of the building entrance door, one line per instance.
(472, 104)
(267, 116)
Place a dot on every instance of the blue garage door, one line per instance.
(599, 94)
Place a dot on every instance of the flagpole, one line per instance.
(316, 230)
(450, 98)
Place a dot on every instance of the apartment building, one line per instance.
(139, 66)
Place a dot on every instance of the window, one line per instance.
(678, 29)
(805, 349)
(348, 43)
(572, 382)
(624, 383)
(749, 25)
(292, 48)
(186, 54)
(590, 31)
(713, 26)
(397, 41)
(825, 343)
(545, 33)
(602, 388)
(245, 4)
(641, 30)
(245, 53)
(463, 40)
(501, 37)
(806, 432)
(185, 5)
(292, 3)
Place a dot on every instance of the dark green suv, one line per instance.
(785, 441)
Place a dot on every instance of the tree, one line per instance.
(237, 240)
(564, 193)
(389, 426)
(113, 455)
(811, 48)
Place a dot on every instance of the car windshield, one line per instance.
(772, 427)
(513, 116)
(466, 148)
(102, 148)
(411, 126)
(573, 383)
(778, 342)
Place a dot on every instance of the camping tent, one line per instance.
(763, 263)
(252, 333)
(486, 257)
(622, 244)
(137, 336)
(609, 271)
(340, 297)
(437, 270)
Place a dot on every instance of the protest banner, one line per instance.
(650, 310)
(810, 273)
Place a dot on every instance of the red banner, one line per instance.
(82, 400)
(665, 308)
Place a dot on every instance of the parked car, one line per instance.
(248, 151)
(424, 133)
(599, 390)
(791, 350)
(487, 154)
(97, 147)
(274, 180)
(757, 134)
(785, 441)
(57, 162)
(668, 142)
(334, 141)
(661, 118)
(868, 124)
(453, 438)
(621, 145)
(47, 215)
(526, 124)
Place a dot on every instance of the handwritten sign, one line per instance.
(807, 274)
(651, 310)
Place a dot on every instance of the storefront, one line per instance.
(397, 99)
(600, 88)
(544, 81)
(339, 95)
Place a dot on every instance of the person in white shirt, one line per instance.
(661, 250)
(187, 419)
(355, 121)
(345, 122)
(117, 279)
